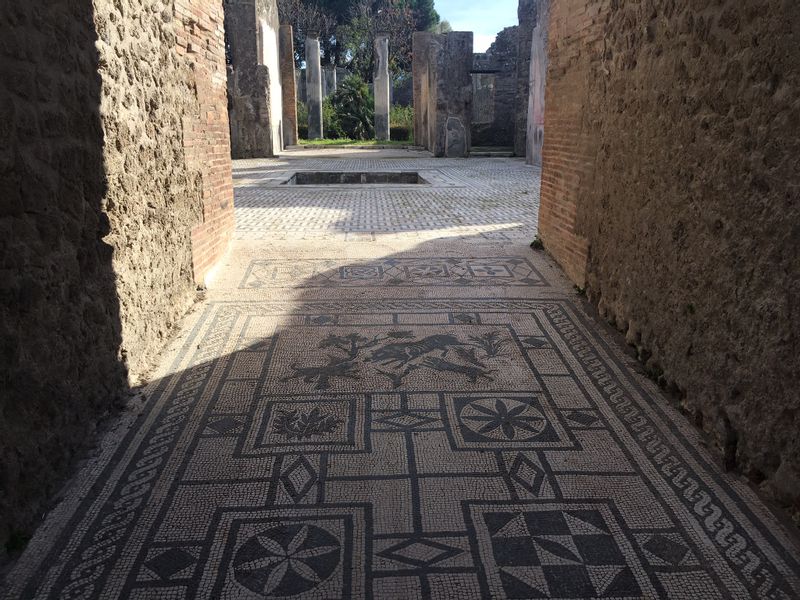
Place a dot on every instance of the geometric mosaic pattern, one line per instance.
(414, 441)
(459, 272)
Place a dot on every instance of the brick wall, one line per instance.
(575, 46)
(201, 41)
(670, 180)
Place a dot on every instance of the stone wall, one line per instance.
(107, 169)
(442, 65)
(494, 91)
(670, 179)
(527, 13)
(536, 86)
(254, 82)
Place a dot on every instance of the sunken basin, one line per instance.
(356, 178)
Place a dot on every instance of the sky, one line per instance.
(486, 18)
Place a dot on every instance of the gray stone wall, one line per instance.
(255, 98)
(442, 66)
(528, 14)
(494, 82)
(536, 86)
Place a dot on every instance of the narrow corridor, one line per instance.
(386, 393)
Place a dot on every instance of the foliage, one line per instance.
(401, 120)
(442, 27)
(354, 107)
(302, 119)
(347, 29)
(331, 123)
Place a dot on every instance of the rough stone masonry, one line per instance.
(110, 216)
(669, 190)
(443, 92)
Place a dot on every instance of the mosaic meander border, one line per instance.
(116, 545)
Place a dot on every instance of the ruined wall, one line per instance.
(199, 26)
(442, 65)
(254, 81)
(527, 14)
(60, 327)
(494, 81)
(105, 119)
(672, 155)
(536, 86)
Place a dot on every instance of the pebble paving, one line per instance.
(387, 394)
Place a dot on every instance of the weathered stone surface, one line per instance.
(107, 208)
(527, 13)
(443, 92)
(254, 78)
(536, 87)
(329, 81)
(314, 87)
(688, 203)
(382, 84)
(288, 86)
(494, 81)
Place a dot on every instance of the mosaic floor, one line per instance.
(388, 394)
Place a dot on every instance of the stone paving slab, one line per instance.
(361, 411)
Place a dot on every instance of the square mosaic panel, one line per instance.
(556, 550)
(308, 424)
(504, 421)
(309, 552)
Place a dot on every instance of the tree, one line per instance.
(425, 15)
(442, 27)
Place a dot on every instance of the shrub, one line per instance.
(402, 123)
(354, 108)
(331, 124)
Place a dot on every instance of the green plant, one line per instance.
(537, 243)
(302, 119)
(331, 124)
(354, 108)
(401, 119)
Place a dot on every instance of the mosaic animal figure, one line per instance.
(401, 353)
(473, 373)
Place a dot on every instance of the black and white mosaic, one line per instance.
(440, 424)
(552, 477)
(397, 272)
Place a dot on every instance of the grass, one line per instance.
(349, 142)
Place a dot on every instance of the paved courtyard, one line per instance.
(387, 394)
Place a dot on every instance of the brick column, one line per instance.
(288, 86)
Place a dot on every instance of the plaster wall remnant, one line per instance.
(254, 78)
(116, 203)
(382, 83)
(314, 87)
(288, 86)
(443, 92)
(494, 80)
(528, 11)
(669, 191)
(536, 87)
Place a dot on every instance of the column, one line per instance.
(381, 82)
(314, 86)
(288, 86)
